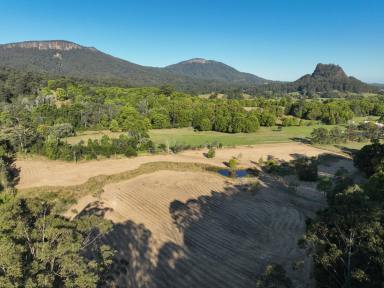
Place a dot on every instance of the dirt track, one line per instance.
(35, 173)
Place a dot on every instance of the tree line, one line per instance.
(39, 119)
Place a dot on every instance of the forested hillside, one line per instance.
(69, 59)
(64, 58)
(209, 69)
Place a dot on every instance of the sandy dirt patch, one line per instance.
(35, 173)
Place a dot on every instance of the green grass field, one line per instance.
(264, 135)
(188, 136)
(195, 138)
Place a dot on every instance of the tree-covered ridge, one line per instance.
(210, 69)
(89, 63)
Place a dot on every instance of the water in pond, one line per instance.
(239, 173)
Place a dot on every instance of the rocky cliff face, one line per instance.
(46, 45)
(329, 71)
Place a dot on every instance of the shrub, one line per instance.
(211, 153)
(306, 168)
(232, 164)
(274, 276)
(324, 184)
(130, 152)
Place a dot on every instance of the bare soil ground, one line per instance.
(188, 229)
(35, 173)
(197, 229)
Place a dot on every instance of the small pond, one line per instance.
(239, 173)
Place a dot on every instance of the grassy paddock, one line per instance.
(195, 138)
(64, 196)
(190, 137)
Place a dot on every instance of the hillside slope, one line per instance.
(66, 58)
(209, 69)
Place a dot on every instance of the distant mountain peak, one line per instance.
(329, 71)
(60, 45)
(196, 61)
(200, 68)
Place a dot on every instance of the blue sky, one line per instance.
(275, 39)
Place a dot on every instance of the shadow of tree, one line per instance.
(133, 264)
(229, 238)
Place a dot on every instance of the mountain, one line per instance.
(328, 77)
(326, 80)
(379, 85)
(70, 59)
(209, 69)
(59, 57)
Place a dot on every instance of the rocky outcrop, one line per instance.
(46, 45)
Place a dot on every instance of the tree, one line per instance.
(251, 123)
(370, 158)
(114, 126)
(159, 121)
(320, 136)
(167, 90)
(205, 125)
(42, 249)
(8, 171)
(132, 122)
(267, 119)
(232, 164)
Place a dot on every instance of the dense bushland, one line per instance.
(39, 247)
(347, 238)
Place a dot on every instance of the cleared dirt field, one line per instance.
(186, 229)
(196, 229)
(35, 173)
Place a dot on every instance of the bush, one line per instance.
(274, 276)
(325, 184)
(130, 152)
(232, 164)
(306, 168)
(211, 153)
(274, 167)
